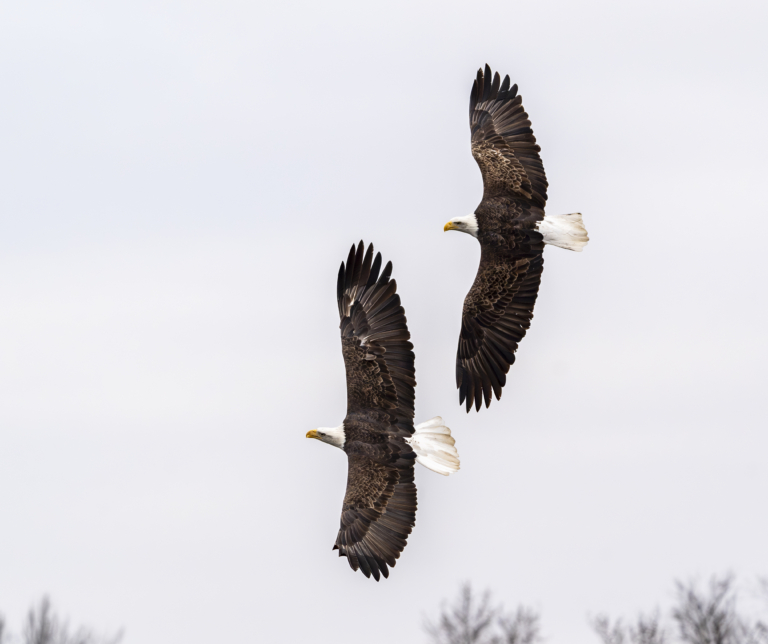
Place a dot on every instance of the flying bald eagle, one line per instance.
(512, 229)
(378, 435)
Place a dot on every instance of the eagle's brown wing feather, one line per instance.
(497, 313)
(503, 143)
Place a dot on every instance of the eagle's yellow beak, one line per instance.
(312, 433)
(449, 226)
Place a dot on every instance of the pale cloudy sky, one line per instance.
(180, 183)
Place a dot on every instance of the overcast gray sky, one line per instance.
(180, 183)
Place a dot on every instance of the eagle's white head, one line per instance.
(466, 224)
(331, 435)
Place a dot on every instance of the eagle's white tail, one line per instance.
(565, 231)
(434, 447)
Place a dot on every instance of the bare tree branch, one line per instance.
(44, 627)
(466, 622)
(761, 627)
(615, 634)
(708, 618)
(521, 627)
(648, 630)
(41, 626)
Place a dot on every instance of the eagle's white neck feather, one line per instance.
(332, 435)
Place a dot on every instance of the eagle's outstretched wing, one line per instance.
(379, 509)
(503, 143)
(497, 312)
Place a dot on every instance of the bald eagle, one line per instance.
(512, 229)
(378, 435)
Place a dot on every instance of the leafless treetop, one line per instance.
(474, 620)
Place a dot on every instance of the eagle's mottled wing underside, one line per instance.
(497, 313)
(503, 143)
